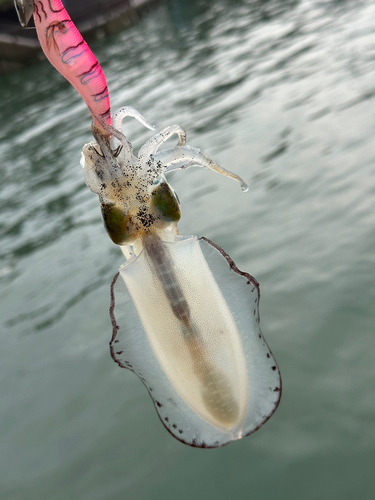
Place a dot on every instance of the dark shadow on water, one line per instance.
(70, 303)
(278, 151)
(20, 318)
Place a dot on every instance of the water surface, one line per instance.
(281, 92)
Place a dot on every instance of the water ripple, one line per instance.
(280, 91)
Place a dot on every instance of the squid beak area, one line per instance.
(102, 138)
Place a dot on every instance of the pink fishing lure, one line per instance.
(68, 52)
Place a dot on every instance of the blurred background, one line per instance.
(279, 91)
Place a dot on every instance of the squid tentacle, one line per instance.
(125, 111)
(183, 157)
(125, 155)
(153, 144)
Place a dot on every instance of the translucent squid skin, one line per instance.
(183, 320)
(206, 365)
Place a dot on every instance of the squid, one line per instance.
(185, 319)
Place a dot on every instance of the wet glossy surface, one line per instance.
(282, 93)
(206, 365)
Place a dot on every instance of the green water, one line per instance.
(281, 92)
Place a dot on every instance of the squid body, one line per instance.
(185, 319)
